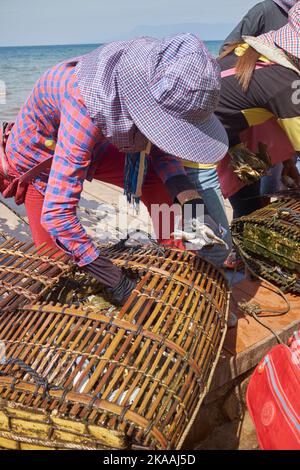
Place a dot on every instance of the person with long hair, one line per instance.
(258, 85)
(264, 17)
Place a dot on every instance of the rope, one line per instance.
(250, 310)
(25, 273)
(46, 443)
(4, 235)
(38, 379)
(254, 309)
(64, 267)
(285, 281)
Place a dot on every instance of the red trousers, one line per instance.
(110, 169)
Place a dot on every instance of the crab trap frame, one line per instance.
(108, 378)
(269, 242)
(27, 273)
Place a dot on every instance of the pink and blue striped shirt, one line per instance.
(56, 111)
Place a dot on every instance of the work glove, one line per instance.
(199, 230)
(117, 286)
(247, 165)
(119, 294)
(199, 234)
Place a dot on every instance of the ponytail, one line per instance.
(245, 65)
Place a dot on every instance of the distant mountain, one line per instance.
(208, 32)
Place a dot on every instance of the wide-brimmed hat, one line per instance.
(288, 37)
(286, 5)
(164, 91)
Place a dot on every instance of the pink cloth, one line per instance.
(279, 148)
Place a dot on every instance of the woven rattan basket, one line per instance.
(84, 378)
(269, 241)
(27, 273)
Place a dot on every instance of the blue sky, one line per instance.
(36, 22)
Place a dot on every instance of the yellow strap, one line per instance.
(200, 166)
(50, 144)
(241, 49)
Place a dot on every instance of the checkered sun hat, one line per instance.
(163, 91)
(286, 5)
(288, 37)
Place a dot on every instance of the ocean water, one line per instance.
(20, 67)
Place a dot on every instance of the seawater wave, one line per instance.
(20, 67)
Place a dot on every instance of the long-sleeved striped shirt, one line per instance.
(56, 111)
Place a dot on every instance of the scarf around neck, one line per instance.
(136, 166)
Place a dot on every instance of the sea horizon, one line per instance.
(206, 41)
(21, 66)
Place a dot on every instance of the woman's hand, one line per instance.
(290, 176)
(198, 229)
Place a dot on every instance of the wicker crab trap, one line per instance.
(269, 241)
(91, 377)
(27, 274)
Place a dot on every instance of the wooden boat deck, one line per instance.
(245, 345)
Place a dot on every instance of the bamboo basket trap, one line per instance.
(77, 377)
(269, 242)
(27, 273)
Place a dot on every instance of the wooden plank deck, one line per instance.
(244, 345)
